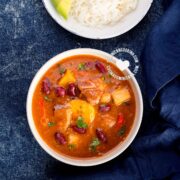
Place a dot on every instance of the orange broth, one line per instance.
(54, 118)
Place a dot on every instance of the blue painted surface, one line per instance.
(28, 38)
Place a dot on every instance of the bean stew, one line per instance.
(80, 110)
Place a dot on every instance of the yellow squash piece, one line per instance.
(67, 78)
(106, 98)
(121, 95)
(84, 109)
(63, 7)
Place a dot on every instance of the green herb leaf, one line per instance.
(71, 146)
(122, 131)
(110, 76)
(81, 67)
(127, 103)
(80, 123)
(95, 142)
(103, 78)
(62, 70)
(46, 98)
(50, 124)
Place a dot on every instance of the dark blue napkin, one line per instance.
(155, 153)
(161, 63)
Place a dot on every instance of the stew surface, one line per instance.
(80, 110)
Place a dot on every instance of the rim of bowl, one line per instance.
(59, 21)
(92, 161)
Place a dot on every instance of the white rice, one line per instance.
(101, 12)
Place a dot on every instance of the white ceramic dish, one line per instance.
(106, 32)
(84, 161)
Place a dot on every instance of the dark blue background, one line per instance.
(28, 38)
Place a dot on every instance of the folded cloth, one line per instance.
(158, 153)
(161, 58)
(155, 153)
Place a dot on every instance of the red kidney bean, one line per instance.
(46, 86)
(100, 67)
(59, 137)
(104, 107)
(60, 92)
(101, 135)
(73, 90)
(79, 130)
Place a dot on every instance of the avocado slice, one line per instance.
(63, 7)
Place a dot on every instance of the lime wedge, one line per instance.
(63, 7)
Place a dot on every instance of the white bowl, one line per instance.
(94, 160)
(127, 23)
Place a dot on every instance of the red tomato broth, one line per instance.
(102, 120)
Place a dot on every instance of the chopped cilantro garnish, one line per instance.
(46, 98)
(71, 146)
(62, 70)
(81, 67)
(127, 103)
(95, 142)
(50, 124)
(103, 78)
(122, 131)
(80, 122)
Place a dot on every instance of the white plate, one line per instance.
(106, 32)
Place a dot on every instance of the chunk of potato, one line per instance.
(74, 139)
(84, 109)
(106, 98)
(121, 95)
(67, 78)
(108, 121)
(63, 117)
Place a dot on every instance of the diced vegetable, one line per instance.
(104, 107)
(121, 95)
(71, 146)
(74, 139)
(108, 121)
(73, 90)
(62, 70)
(101, 135)
(120, 120)
(46, 98)
(60, 92)
(81, 67)
(105, 98)
(127, 103)
(63, 116)
(44, 120)
(80, 123)
(100, 67)
(67, 79)
(84, 109)
(122, 131)
(95, 142)
(60, 139)
(51, 124)
(63, 7)
(46, 86)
